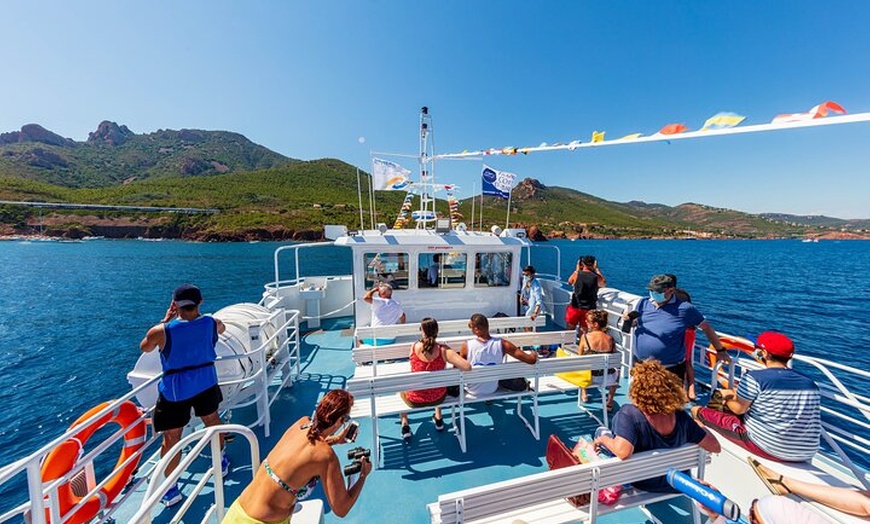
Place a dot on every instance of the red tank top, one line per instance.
(417, 364)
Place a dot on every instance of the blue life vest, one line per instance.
(188, 358)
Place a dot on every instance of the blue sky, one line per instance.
(309, 79)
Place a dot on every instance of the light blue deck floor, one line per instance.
(499, 445)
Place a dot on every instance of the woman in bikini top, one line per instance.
(292, 469)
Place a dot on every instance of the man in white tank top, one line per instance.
(483, 350)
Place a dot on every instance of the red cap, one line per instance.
(776, 344)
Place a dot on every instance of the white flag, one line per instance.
(389, 176)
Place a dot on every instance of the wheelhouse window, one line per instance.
(442, 270)
(391, 268)
(492, 269)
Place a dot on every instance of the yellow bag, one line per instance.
(582, 379)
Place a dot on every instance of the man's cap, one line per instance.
(187, 295)
(660, 283)
(776, 344)
(529, 269)
(385, 285)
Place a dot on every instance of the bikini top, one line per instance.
(300, 493)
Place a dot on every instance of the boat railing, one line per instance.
(44, 497)
(295, 248)
(286, 359)
(557, 276)
(160, 482)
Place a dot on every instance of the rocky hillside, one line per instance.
(113, 154)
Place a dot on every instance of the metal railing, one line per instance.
(44, 497)
(160, 482)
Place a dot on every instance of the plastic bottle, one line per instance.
(705, 495)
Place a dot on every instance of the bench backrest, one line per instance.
(390, 384)
(448, 327)
(369, 354)
(513, 495)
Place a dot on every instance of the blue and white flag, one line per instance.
(389, 176)
(497, 183)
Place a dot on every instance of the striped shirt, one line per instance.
(783, 419)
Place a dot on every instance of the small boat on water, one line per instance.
(303, 338)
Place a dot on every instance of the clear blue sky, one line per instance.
(309, 79)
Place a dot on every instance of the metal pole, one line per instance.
(359, 194)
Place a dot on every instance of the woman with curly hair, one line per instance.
(298, 461)
(655, 419)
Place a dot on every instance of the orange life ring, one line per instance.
(62, 459)
(729, 342)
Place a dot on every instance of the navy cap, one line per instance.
(187, 295)
(660, 283)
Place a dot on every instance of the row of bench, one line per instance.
(378, 396)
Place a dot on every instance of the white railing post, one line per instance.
(34, 489)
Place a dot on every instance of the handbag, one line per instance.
(581, 379)
(717, 402)
(559, 456)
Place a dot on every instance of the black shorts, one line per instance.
(174, 415)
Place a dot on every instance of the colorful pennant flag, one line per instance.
(597, 136)
(818, 111)
(723, 121)
(672, 129)
(632, 136)
(497, 183)
(389, 176)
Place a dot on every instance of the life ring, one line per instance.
(729, 342)
(62, 459)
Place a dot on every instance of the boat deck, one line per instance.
(414, 475)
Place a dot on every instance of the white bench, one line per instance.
(378, 396)
(365, 355)
(540, 498)
(447, 327)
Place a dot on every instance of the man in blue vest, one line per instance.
(186, 340)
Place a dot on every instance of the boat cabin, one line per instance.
(444, 275)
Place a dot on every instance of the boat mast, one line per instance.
(427, 171)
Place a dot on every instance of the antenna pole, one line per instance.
(359, 195)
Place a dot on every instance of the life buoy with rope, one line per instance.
(62, 459)
(729, 342)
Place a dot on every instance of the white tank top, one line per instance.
(487, 353)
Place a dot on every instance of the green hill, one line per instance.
(113, 154)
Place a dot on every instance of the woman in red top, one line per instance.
(429, 355)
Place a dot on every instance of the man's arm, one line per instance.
(508, 348)
(708, 330)
(737, 405)
(221, 327)
(368, 296)
(602, 282)
(153, 339)
(617, 445)
(402, 319)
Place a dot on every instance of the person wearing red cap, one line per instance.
(774, 412)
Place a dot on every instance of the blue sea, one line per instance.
(72, 314)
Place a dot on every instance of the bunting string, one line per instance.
(724, 123)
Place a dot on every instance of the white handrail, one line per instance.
(160, 483)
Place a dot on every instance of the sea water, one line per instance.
(72, 314)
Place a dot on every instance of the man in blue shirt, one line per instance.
(186, 340)
(662, 323)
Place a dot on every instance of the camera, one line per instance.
(625, 324)
(351, 432)
(356, 455)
